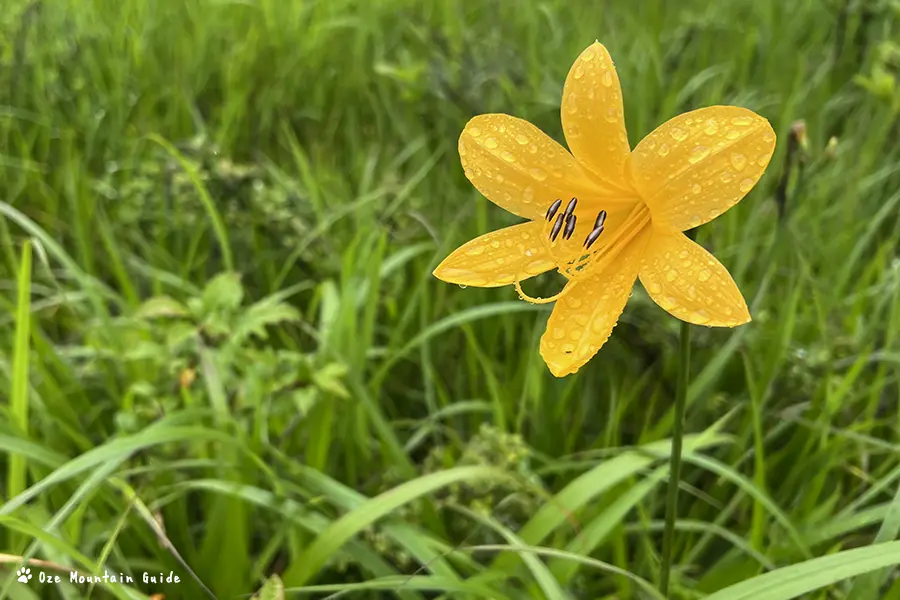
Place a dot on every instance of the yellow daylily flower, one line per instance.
(606, 215)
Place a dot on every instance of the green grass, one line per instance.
(222, 352)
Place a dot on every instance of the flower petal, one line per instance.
(689, 283)
(518, 167)
(584, 317)
(592, 115)
(498, 257)
(696, 166)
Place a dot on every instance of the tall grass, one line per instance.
(228, 358)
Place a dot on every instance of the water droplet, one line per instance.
(573, 302)
(502, 128)
(664, 150)
(738, 161)
(696, 221)
(500, 178)
(522, 139)
(612, 114)
(462, 149)
(698, 154)
(667, 302)
(572, 104)
(763, 159)
(579, 72)
(692, 292)
(463, 286)
(531, 252)
(671, 275)
(742, 121)
(572, 131)
(495, 244)
(700, 317)
(726, 176)
(559, 333)
(683, 254)
(490, 143)
(536, 267)
(654, 288)
(696, 189)
(469, 173)
(528, 194)
(606, 79)
(475, 131)
(533, 149)
(508, 156)
(599, 325)
(568, 348)
(746, 185)
(733, 134)
(538, 173)
(475, 250)
(768, 137)
(711, 127)
(588, 55)
(679, 134)
(704, 275)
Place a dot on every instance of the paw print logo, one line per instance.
(24, 575)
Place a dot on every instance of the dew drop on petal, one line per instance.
(696, 189)
(742, 121)
(475, 251)
(733, 134)
(664, 150)
(528, 194)
(495, 244)
(746, 185)
(711, 127)
(704, 275)
(700, 317)
(559, 333)
(654, 288)
(738, 161)
(698, 154)
(536, 267)
(606, 79)
(538, 173)
(763, 159)
(522, 139)
(475, 131)
(671, 275)
(490, 143)
(508, 156)
(579, 72)
(588, 55)
(726, 176)
(679, 134)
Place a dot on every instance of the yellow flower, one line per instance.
(605, 215)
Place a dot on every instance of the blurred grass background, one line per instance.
(222, 342)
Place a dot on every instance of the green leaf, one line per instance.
(161, 306)
(262, 314)
(272, 590)
(328, 379)
(796, 580)
(334, 537)
(224, 292)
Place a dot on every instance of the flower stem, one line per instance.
(684, 367)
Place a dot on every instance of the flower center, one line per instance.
(584, 246)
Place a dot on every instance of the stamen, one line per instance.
(531, 300)
(570, 226)
(571, 206)
(601, 219)
(553, 208)
(592, 237)
(554, 233)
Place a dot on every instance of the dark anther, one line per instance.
(570, 227)
(601, 219)
(592, 237)
(570, 208)
(553, 208)
(554, 233)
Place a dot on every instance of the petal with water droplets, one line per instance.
(498, 258)
(689, 283)
(519, 167)
(583, 319)
(696, 166)
(592, 115)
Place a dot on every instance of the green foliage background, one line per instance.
(222, 353)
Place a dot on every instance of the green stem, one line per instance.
(684, 367)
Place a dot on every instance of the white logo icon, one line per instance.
(24, 575)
